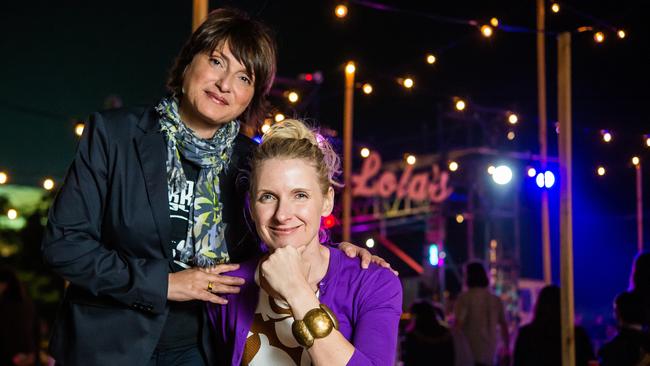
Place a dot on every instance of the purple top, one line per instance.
(367, 303)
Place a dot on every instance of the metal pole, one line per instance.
(543, 151)
(200, 12)
(566, 209)
(347, 149)
(639, 209)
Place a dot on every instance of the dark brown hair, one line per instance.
(250, 41)
(476, 276)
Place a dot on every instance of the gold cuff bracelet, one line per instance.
(317, 323)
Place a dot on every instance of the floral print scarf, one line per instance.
(205, 244)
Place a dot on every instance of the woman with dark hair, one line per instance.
(18, 336)
(540, 342)
(155, 196)
(478, 313)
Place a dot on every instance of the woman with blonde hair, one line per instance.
(304, 302)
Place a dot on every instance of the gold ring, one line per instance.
(209, 286)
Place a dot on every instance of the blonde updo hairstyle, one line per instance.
(292, 139)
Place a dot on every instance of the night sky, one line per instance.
(62, 60)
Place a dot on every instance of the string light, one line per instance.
(513, 119)
(487, 31)
(12, 214)
(511, 135)
(647, 140)
(460, 105)
(460, 218)
(365, 152)
(370, 242)
(279, 117)
(79, 129)
(601, 171)
(266, 127)
(621, 34)
(350, 68)
(410, 160)
(607, 136)
(555, 7)
(494, 22)
(3, 178)
(341, 11)
(532, 172)
(453, 166)
(48, 184)
(293, 96)
(491, 169)
(636, 161)
(431, 59)
(599, 37)
(367, 88)
(408, 83)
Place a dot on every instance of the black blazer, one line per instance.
(108, 233)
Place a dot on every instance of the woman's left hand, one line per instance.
(285, 271)
(354, 251)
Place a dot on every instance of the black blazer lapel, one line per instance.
(152, 154)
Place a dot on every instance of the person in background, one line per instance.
(18, 328)
(426, 338)
(626, 348)
(156, 195)
(539, 343)
(478, 313)
(305, 302)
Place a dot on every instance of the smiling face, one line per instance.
(287, 202)
(216, 90)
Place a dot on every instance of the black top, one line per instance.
(542, 346)
(184, 319)
(625, 349)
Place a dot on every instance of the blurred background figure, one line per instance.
(540, 342)
(478, 313)
(640, 283)
(626, 348)
(428, 337)
(18, 328)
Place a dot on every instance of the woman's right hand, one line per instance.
(193, 283)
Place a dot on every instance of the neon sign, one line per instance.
(417, 186)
